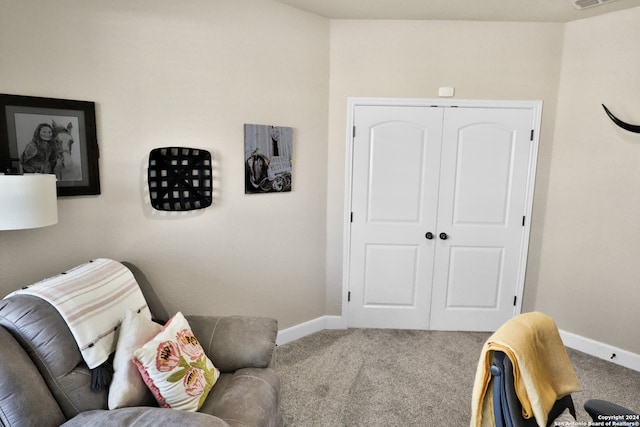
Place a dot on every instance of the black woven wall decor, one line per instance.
(179, 178)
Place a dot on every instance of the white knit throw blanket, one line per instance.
(92, 298)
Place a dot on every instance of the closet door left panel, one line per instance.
(396, 168)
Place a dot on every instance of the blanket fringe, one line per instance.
(101, 377)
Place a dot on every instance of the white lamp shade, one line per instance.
(28, 201)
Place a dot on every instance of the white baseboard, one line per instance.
(310, 327)
(336, 322)
(586, 345)
(601, 350)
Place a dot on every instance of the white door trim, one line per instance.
(353, 102)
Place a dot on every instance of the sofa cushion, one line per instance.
(127, 387)
(175, 367)
(235, 342)
(144, 417)
(248, 397)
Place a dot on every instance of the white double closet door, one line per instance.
(440, 207)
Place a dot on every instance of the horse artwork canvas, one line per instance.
(51, 147)
(268, 158)
(66, 168)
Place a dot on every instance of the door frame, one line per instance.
(353, 102)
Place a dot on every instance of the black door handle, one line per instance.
(429, 235)
(444, 236)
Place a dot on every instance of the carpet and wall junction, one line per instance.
(386, 377)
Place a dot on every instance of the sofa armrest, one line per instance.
(143, 416)
(22, 389)
(235, 342)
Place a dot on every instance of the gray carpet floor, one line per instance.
(385, 377)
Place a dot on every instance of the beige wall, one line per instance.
(192, 73)
(582, 266)
(412, 59)
(589, 269)
(188, 73)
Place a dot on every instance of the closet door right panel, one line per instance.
(482, 200)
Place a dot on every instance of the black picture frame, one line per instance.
(71, 151)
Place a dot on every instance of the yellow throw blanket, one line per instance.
(541, 368)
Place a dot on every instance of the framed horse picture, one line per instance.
(52, 136)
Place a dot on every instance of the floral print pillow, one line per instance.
(175, 368)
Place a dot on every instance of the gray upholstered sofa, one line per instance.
(45, 382)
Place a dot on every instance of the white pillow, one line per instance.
(175, 368)
(127, 387)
